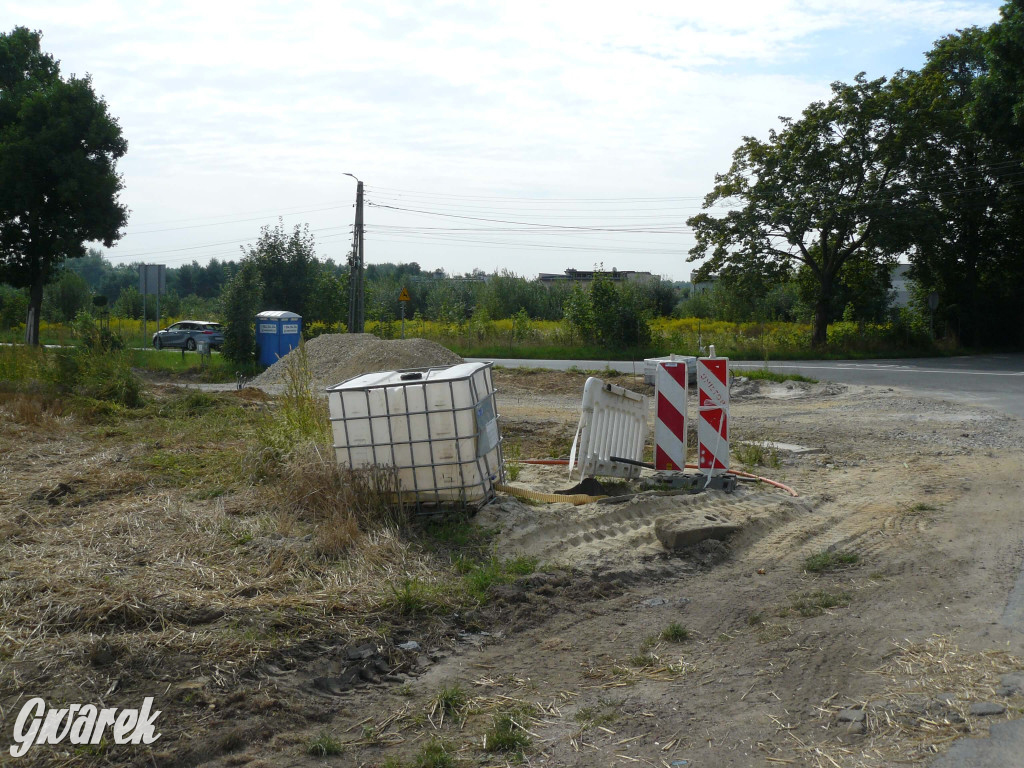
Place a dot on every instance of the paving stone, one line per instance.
(1014, 682)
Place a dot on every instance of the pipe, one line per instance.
(525, 493)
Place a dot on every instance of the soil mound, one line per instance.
(335, 357)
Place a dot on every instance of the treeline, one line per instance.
(281, 270)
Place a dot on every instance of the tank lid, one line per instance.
(410, 376)
(278, 315)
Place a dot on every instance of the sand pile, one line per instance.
(334, 357)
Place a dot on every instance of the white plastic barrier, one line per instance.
(670, 416)
(713, 415)
(613, 423)
(437, 427)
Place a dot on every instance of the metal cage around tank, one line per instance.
(437, 428)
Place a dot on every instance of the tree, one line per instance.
(243, 295)
(999, 106)
(288, 267)
(58, 182)
(65, 297)
(825, 189)
(970, 233)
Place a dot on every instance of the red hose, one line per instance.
(739, 473)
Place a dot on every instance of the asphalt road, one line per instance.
(996, 381)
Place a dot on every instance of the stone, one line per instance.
(851, 716)
(361, 652)
(987, 708)
(412, 645)
(1014, 682)
(682, 531)
(655, 601)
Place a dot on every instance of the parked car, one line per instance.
(187, 334)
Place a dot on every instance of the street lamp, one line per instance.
(356, 311)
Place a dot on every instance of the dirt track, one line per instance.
(582, 652)
(926, 493)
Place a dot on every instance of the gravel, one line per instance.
(335, 357)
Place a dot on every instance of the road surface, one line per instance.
(996, 381)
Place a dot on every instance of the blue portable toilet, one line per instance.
(277, 334)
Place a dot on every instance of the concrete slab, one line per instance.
(685, 530)
(1003, 749)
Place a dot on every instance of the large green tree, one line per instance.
(970, 235)
(59, 185)
(826, 189)
(999, 105)
(288, 268)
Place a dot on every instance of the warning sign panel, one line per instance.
(404, 295)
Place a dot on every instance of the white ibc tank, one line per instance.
(438, 427)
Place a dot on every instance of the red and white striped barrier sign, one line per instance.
(713, 415)
(670, 416)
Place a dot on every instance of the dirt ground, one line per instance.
(615, 651)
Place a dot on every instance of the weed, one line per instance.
(414, 597)
(506, 735)
(434, 754)
(754, 453)
(816, 603)
(675, 633)
(829, 561)
(923, 506)
(643, 660)
(325, 745)
(592, 717)
(513, 463)
(450, 700)
(479, 578)
(766, 375)
(754, 620)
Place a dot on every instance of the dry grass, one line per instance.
(921, 706)
(118, 580)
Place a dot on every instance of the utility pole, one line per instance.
(356, 307)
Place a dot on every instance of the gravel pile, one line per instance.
(335, 357)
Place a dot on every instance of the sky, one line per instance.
(523, 136)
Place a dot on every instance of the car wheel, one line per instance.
(190, 345)
(157, 343)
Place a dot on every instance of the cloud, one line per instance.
(235, 106)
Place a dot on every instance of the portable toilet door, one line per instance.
(277, 334)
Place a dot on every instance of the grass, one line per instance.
(815, 603)
(506, 735)
(754, 453)
(513, 461)
(434, 754)
(325, 745)
(450, 701)
(764, 374)
(675, 633)
(480, 577)
(830, 561)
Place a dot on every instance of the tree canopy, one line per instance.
(824, 191)
(59, 186)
